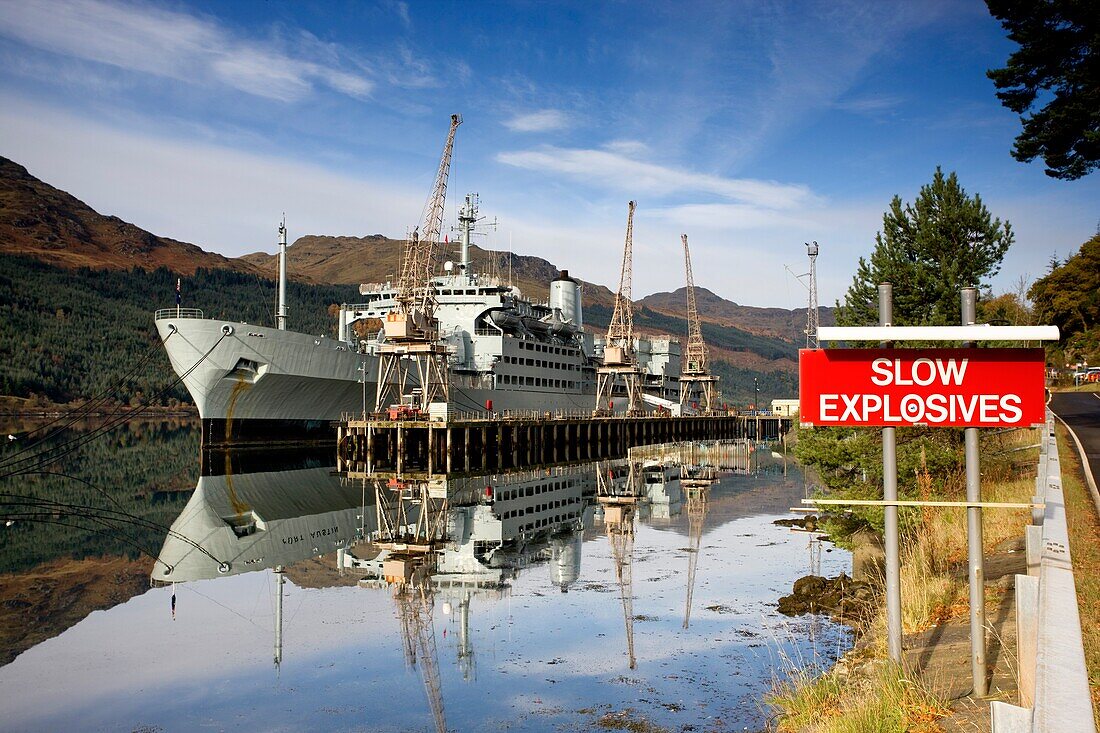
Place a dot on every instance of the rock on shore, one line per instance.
(841, 597)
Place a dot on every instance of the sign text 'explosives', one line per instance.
(933, 387)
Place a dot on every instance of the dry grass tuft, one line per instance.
(883, 699)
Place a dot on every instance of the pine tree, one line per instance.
(929, 250)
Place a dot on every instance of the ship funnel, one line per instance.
(565, 295)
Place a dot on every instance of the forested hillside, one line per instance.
(1069, 297)
(71, 334)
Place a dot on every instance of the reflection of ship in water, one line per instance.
(453, 538)
(455, 541)
(491, 528)
(236, 523)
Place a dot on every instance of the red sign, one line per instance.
(985, 388)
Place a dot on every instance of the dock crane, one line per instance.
(619, 361)
(695, 377)
(619, 503)
(411, 353)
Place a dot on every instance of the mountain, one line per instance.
(376, 259)
(789, 325)
(749, 346)
(48, 224)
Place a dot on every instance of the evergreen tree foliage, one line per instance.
(1058, 66)
(1069, 297)
(944, 241)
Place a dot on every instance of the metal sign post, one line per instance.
(975, 558)
(943, 387)
(890, 493)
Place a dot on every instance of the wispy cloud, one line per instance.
(872, 105)
(177, 45)
(541, 121)
(222, 199)
(627, 147)
(623, 173)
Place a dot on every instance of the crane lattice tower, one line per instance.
(619, 362)
(696, 381)
(412, 354)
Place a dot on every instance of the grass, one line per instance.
(933, 590)
(885, 700)
(1084, 546)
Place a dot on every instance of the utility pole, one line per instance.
(811, 312)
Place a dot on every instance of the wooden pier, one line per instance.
(478, 444)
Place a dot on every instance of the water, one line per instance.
(531, 658)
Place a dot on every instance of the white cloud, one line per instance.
(221, 199)
(541, 121)
(175, 45)
(634, 148)
(622, 173)
(872, 105)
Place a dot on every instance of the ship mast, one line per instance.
(280, 308)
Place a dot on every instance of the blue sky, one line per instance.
(753, 127)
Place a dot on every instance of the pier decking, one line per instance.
(491, 443)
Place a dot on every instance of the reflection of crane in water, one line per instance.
(415, 609)
(619, 500)
(696, 486)
(411, 518)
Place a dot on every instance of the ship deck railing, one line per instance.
(166, 313)
(457, 416)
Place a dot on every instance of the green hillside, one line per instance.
(71, 334)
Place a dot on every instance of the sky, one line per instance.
(753, 127)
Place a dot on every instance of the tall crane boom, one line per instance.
(412, 357)
(620, 334)
(417, 260)
(696, 356)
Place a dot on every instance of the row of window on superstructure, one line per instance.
(536, 382)
(541, 363)
(547, 521)
(535, 509)
(536, 346)
(474, 291)
(540, 489)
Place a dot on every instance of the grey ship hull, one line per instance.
(257, 384)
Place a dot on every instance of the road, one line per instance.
(1081, 411)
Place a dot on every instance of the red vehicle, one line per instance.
(402, 412)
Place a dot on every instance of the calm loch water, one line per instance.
(525, 627)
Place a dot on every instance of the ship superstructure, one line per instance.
(504, 351)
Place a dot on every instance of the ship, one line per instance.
(505, 353)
